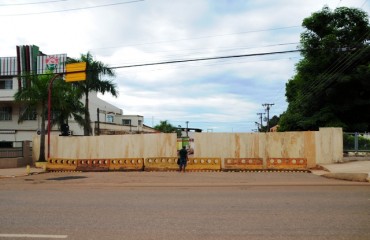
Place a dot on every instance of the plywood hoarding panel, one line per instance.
(114, 146)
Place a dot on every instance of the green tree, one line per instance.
(273, 122)
(331, 87)
(69, 105)
(35, 97)
(165, 127)
(94, 83)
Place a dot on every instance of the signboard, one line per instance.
(75, 72)
(54, 63)
(51, 62)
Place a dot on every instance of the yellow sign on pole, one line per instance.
(75, 72)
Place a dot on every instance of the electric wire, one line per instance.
(71, 9)
(335, 66)
(330, 75)
(223, 62)
(340, 65)
(31, 3)
(185, 60)
(201, 37)
(205, 59)
(206, 51)
(324, 80)
(363, 3)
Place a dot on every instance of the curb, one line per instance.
(356, 177)
(21, 175)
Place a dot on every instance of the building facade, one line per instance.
(105, 118)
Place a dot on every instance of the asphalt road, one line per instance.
(171, 205)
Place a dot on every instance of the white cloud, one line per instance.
(223, 95)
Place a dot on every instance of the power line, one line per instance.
(183, 53)
(205, 59)
(201, 37)
(31, 3)
(71, 9)
(327, 77)
(222, 63)
(220, 49)
(191, 60)
(340, 64)
(208, 122)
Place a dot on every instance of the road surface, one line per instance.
(194, 205)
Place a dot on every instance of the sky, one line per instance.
(219, 95)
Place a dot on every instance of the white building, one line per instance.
(105, 118)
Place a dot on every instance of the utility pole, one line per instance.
(260, 128)
(98, 126)
(268, 105)
(187, 128)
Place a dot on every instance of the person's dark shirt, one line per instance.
(183, 153)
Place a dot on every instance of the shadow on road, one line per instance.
(66, 178)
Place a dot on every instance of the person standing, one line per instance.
(183, 159)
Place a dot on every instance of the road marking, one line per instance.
(32, 236)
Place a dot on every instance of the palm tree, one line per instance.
(65, 103)
(68, 104)
(35, 96)
(95, 70)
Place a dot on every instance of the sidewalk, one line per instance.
(352, 171)
(18, 172)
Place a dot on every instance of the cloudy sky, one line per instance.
(220, 95)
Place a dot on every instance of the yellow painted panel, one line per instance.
(75, 77)
(76, 67)
(204, 164)
(242, 163)
(161, 163)
(287, 163)
(126, 164)
(55, 164)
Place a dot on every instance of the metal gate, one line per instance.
(356, 142)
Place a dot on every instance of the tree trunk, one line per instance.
(42, 136)
(87, 126)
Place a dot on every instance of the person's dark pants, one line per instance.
(182, 165)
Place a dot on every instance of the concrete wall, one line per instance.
(323, 146)
(14, 162)
(8, 163)
(329, 145)
(110, 146)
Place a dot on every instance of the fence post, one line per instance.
(356, 142)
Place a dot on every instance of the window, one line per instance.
(5, 113)
(6, 144)
(28, 113)
(110, 118)
(140, 122)
(126, 122)
(6, 84)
